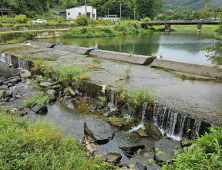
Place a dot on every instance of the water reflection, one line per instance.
(176, 45)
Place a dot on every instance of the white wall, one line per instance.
(72, 13)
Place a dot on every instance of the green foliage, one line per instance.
(67, 75)
(40, 145)
(205, 153)
(21, 18)
(2, 18)
(146, 19)
(82, 20)
(145, 8)
(38, 98)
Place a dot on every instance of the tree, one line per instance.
(145, 8)
(169, 13)
(99, 6)
(114, 8)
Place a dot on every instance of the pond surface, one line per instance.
(175, 45)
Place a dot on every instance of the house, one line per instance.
(73, 13)
(4, 12)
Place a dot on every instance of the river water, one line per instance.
(175, 45)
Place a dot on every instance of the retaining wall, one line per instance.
(207, 70)
(111, 55)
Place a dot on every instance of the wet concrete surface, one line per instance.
(198, 99)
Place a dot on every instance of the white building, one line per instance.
(73, 13)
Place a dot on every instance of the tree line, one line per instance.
(129, 8)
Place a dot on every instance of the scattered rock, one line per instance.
(140, 166)
(47, 84)
(18, 96)
(4, 87)
(14, 81)
(142, 132)
(39, 109)
(117, 121)
(113, 158)
(130, 150)
(52, 95)
(28, 81)
(185, 143)
(99, 130)
(164, 149)
(152, 131)
(26, 74)
(69, 91)
(2, 94)
(25, 111)
(8, 94)
(11, 100)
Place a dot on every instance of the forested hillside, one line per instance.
(195, 5)
(31, 8)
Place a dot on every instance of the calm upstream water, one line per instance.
(175, 45)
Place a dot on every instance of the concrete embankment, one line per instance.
(131, 58)
(201, 69)
(196, 99)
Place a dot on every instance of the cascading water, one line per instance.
(112, 102)
(23, 64)
(177, 126)
(6, 58)
(141, 125)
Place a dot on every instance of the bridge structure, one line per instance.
(168, 24)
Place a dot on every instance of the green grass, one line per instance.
(204, 154)
(38, 98)
(40, 145)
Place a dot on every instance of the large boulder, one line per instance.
(99, 130)
(69, 91)
(164, 149)
(131, 150)
(113, 157)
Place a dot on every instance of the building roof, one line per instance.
(4, 9)
(82, 6)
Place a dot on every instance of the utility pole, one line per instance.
(85, 8)
(134, 13)
(120, 11)
(108, 12)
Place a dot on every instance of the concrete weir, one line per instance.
(196, 99)
(134, 58)
(207, 70)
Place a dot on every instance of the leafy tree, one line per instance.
(114, 8)
(99, 5)
(169, 13)
(145, 8)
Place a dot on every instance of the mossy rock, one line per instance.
(142, 132)
(118, 121)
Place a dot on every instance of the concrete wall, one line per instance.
(208, 70)
(50, 34)
(111, 55)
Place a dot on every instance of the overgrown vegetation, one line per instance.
(38, 98)
(205, 153)
(40, 145)
(66, 75)
(120, 29)
(12, 38)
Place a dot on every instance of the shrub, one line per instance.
(39, 98)
(146, 19)
(106, 30)
(21, 18)
(82, 20)
(40, 145)
(205, 153)
(2, 18)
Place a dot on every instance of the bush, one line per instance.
(106, 30)
(40, 145)
(21, 18)
(205, 153)
(82, 20)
